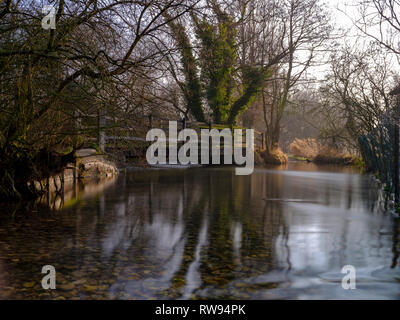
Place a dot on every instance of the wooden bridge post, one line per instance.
(76, 127)
(74, 180)
(210, 149)
(74, 172)
(101, 133)
(48, 190)
(62, 178)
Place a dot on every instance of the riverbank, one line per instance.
(276, 157)
(346, 160)
(89, 165)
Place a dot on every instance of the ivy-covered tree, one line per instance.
(216, 75)
(191, 88)
(217, 59)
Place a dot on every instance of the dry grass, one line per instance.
(333, 156)
(305, 148)
(315, 151)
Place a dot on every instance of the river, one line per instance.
(202, 233)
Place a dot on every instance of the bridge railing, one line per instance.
(108, 137)
(163, 123)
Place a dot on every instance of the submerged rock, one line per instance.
(96, 167)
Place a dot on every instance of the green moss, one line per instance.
(359, 163)
(290, 156)
(71, 202)
(96, 147)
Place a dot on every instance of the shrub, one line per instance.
(275, 156)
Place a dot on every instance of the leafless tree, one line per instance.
(300, 28)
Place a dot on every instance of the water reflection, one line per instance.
(206, 233)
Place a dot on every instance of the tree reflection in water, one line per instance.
(206, 233)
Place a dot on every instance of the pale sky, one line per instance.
(343, 12)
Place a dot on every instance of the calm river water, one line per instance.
(282, 233)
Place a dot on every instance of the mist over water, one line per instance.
(281, 233)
